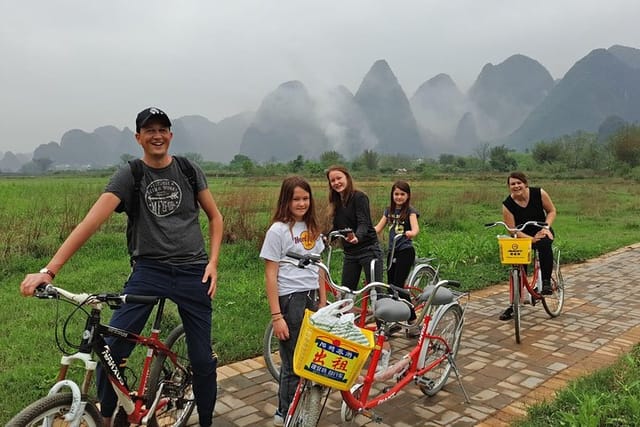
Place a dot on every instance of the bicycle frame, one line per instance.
(519, 281)
(93, 340)
(412, 367)
(519, 275)
(363, 403)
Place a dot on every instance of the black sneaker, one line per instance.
(508, 314)
(546, 288)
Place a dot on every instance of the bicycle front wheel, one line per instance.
(306, 405)
(553, 303)
(446, 324)
(50, 411)
(516, 286)
(271, 352)
(177, 395)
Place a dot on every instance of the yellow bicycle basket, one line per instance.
(514, 250)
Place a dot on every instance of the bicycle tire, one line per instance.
(347, 414)
(553, 303)
(306, 405)
(515, 285)
(422, 276)
(271, 352)
(178, 390)
(448, 325)
(55, 405)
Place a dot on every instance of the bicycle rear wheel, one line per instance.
(271, 352)
(306, 405)
(553, 303)
(448, 325)
(51, 409)
(422, 276)
(177, 394)
(516, 286)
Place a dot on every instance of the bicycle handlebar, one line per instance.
(341, 233)
(517, 228)
(51, 291)
(303, 260)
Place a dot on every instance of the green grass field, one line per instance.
(595, 215)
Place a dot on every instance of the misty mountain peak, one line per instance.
(379, 76)
(285, 125)
(387, 110)
(597, 86)
(438, 105)
(441, 80)
(514, 73)
(504, 94)
(290, 100)
(628, 55)
(437, 92)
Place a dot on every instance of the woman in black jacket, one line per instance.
(349, 208)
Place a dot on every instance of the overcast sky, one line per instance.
(82, 64)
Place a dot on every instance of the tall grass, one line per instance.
(36, 214)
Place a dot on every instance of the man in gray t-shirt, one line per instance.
(167, 252)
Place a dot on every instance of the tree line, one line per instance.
(617, 154)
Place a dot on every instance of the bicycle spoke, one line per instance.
(445, 325)
(553, 303)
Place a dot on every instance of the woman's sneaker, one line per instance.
(278, 419)
(546, 287)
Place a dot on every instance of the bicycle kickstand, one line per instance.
(458, 377)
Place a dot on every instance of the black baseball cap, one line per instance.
(151, 113)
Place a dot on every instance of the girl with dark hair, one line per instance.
(402, 219)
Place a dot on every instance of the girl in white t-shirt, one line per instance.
(291, 290)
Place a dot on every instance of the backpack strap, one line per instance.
(136, 170)
(187, 170)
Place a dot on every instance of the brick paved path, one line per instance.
(600, 320)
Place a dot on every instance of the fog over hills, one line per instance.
(504, 94)
(388, 112)
(604, 83)
(515, 102)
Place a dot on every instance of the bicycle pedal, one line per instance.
(425, 382)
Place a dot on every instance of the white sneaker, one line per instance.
(278, 420)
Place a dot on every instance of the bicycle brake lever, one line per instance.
(45, 292)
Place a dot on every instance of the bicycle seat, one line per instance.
(442, 297)
(391, 310)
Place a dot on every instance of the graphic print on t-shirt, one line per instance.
(163, 197)
(397, 224)
(306, 240)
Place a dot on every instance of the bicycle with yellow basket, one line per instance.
(524, 289)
